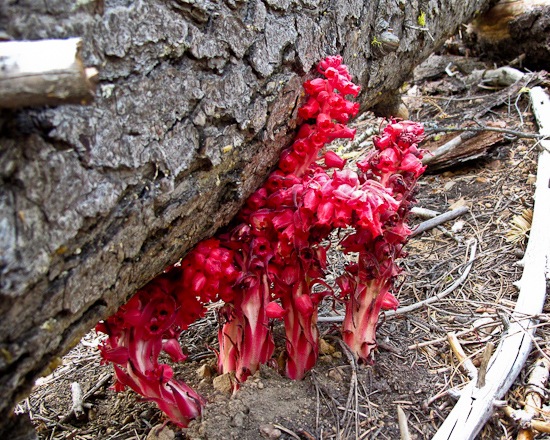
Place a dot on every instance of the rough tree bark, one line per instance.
(195, 101)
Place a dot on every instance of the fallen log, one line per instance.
(194, 104)
(455, 150)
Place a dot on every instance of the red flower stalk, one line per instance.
(148, 324)
(395, 165)
(274, 233)
(154, 318)
(244, 336)
(302, 334)
(329, 109)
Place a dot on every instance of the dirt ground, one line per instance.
(414, 366)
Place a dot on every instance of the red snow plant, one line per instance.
(270, 263)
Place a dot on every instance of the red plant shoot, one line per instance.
(395, 165)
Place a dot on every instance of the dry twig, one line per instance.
(484, 364)
(464, 361)
(440, 219)
(403, 425)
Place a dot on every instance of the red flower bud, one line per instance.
(261, 247)
(289, 162)
(274, 310)
(389, 302)
(324, 122)
(198, 283)
(332, 160)
(325, 212)
(212, 266)
(311, 199)
(261, 219)
(310, 109)
(315, 86)
(283, 219)
(301, 147)
(330, 61)
(342, 132)
(173, 348)
(413, 164)
(257, 200)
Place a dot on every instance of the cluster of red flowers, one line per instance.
(391, 169)
(149, 323)
(265, 265)
(153, 320)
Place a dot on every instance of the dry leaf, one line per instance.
(520, 225)
(458, 204)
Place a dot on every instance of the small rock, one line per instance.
(270, 432)
(325, 347)
(223, 383)
(161, 432)
(518, 253)
(260, 385)
(238, 419)
(204, 371)
(337, 355)
(148, 414)
(336, 375)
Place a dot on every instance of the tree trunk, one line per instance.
(195, 101)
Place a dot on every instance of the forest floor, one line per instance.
(413, 365)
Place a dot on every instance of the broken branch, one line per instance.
(464, 361)
(47, 72)
(476, 405)
(481, 129)
(440, 219)
(482, 373)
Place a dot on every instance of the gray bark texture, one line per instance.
(195, 101)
